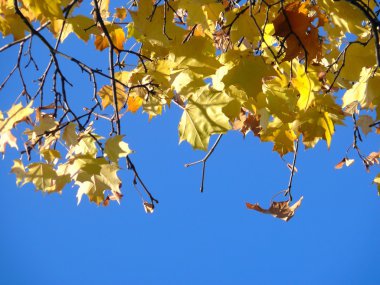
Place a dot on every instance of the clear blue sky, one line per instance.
(193, 238)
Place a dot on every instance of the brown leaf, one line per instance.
(247, 123)
(252, 123)
(148, 207)
(294, 23)
(364, 123)
(280, 210)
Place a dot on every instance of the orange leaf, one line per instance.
(340, 164)
(134, 103)
(295, 24)
(117, 36)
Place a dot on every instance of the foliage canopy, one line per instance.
(287, 71)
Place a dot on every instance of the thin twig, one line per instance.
(289, 189)
(204, 161)
(132, 167)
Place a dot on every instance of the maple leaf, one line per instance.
(147, 27)
(43, 176)
(106, 94)
(203, 117)
(7, 138)
(281, 135)
(245, 71)
(12, 24)
(280, 210)
(364, 123)
(247, 123)
(95, 178)
(319, 120)
(116, 148)
(358, 92)
(19, 170)
(44, 9)
(295, 24)
(121, 13)
(16, 114)
(69, 135)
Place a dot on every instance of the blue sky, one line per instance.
(192, 237)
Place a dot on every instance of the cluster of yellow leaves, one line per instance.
(93, 174)
(269, 67)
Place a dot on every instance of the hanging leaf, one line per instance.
(280, 210)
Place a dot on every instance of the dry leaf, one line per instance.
(148, 207)
(349, 162)
(280, 210)
(114, 197)
(247, 123)
(372, 158)
(364, 123)
(345, 161)
(340, 164)
(290, 166)
(351, 108)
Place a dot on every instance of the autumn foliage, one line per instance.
(286, 71)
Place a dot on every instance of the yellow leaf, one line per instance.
(202, 117)
(303, 83)
(357, 59)
(115, 148)
(281, 135)
(69, 135)
(44, 9)
(358, 92)
(12, 24)
(7, 138)
(106, 94)
(50, 155)
(19, 170)
(16, 114)
(43, 176)
(148, 30)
